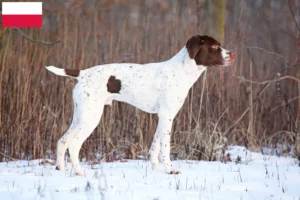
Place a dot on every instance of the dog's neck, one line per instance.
(189, 65)
(189, 70)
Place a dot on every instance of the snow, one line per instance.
(256, 177)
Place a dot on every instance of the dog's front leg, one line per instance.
(165, 126)
(160, 145)
(163, 134)
(154, 149)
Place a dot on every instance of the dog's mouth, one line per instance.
(229, 60)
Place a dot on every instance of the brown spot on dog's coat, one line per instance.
(72, 72)
(113, 85)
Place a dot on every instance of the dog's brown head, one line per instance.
(207, 51)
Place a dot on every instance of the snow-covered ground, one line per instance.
(258, 177)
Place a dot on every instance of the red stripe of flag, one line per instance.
(22, 20)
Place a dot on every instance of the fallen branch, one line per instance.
(6, 156)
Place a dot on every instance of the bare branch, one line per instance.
(262, 89)
(293, 14)
(267, 81)
(266, 51)
(285, 103)
(31, 39)
(34, 40)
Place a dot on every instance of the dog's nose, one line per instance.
(231, 55)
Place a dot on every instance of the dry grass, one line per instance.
(228, 106)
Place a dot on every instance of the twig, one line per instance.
(34, 40)
(285, 103)
(267, 84)
(239, 170)
(263, 49)
(294, 18)
(246, 111)
(31, 39)
(267, 81)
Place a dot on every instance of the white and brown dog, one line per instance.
(159, 88)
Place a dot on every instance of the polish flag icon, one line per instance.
(22, 14)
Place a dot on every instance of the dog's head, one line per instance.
(207, 51)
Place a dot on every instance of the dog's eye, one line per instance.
(215, 46)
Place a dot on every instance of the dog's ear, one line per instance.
(193, 45)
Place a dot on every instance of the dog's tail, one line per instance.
(74, 73)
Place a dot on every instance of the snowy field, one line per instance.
(258, 177)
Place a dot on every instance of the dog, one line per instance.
(159, 88)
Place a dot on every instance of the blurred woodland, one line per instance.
(255, 102)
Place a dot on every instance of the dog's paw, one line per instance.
(155, 165)
(80, 173)
(61, 168)
(174, 171)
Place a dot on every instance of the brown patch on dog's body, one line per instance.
(72, 72)
(205, 50)
(113, 85)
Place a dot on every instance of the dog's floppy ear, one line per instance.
(193, 45)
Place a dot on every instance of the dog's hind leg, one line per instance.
(86, 127)
(89, 109)
(64, 141)
(85, 130)
(62, 146)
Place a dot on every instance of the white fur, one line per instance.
(159, 88)
(225, 56)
